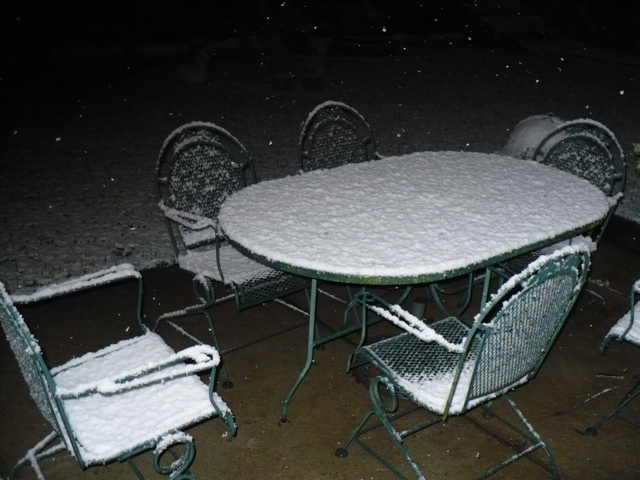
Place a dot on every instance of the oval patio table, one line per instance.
(408, 219)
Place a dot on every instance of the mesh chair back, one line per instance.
(29, 356)
(582, 128)
(521, 322)
(333, 135)
(201, 171)
(189, 131)
(584, 156)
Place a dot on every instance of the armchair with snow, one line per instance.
(433, 372)
(200, 164)
(114, 404)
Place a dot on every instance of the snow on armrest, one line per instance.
(417, 327)
(189, 220)
(203, 357)
(102, 277)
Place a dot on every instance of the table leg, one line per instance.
(365, 298)
(310, 346)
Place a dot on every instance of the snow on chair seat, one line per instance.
(449, 368)
(115, 403)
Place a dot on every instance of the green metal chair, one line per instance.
(533, 137)
(199, 166)
(133, 396)
(616, 178)
(449, 368)
(335, 134)
(626, 329)
(584, 154)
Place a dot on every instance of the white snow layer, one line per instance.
(407, 216)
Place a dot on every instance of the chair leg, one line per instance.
(592, 431)
(383, 411)
(532, 437)
(38, 452)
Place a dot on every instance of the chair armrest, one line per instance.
(186, 219)
(203, 357)
(91, 280)
(417, 327)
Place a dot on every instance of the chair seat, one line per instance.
(109, 426)
(621, 326)
(237, 268)
(425, 371)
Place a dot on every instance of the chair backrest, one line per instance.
(513, 333)
(335, 134)
(32, 365)
(584, 156)
(196, 173)
(616, 173)
(188, 131)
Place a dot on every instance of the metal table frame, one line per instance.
(229, 220)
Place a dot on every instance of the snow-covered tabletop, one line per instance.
(409, 219)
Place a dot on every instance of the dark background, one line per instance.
(33, 29)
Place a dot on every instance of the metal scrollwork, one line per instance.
(178, 468)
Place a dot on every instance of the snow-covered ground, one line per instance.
(79, 142)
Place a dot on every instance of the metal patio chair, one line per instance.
(131, 397)
(335, 134)
(199, 166)
(585, 155)
(626, 329)
(587, 127)
(449, 368)
(533, 137)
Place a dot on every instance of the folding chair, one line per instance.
(626, 329)
(449, 368)
(335, 134)
(133, 396)
(199, 166)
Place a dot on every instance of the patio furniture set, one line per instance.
(355, 218)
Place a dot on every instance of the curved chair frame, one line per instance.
(599, 161)
(598, 131)
(335, 134)
(450, 368)
(111, 405)
(199, 166)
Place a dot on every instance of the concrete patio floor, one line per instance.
(574, 387)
